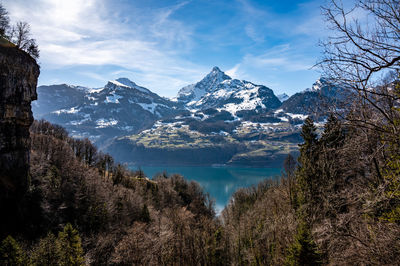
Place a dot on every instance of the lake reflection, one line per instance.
(219, 182)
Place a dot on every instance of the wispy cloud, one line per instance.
(75, 32)
(164, 45)
(282, 57)
(254, 20)
(281, 68)
(233, 71)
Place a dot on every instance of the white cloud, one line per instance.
(282, 57)
(102, 39)
(254, 20)
(281, 68)
(96, 33)
(233, 71)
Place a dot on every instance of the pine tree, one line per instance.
(309, 135)
(48, 251)
(391, 172)
(303, 251)
(290, 166)
(145, 215)
(118, 175)
(331, 140)
(11, 253)
(70, 242)
(307, 172)
(333, 134)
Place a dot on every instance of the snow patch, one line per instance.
(151, 107)
(102, 123)
(114, 98)
(126, 83)
(298, 116)
(96, 90)
(119, 84)
(249, 101)
(90, 98)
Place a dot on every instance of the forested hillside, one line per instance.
(337, 205)
(122, 217)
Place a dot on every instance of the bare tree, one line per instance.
(20, 35)
(4, 21)
(363, 48)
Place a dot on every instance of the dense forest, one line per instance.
(338, 203)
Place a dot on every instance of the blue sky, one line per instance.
(164, 45)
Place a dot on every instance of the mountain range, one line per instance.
(223, 120)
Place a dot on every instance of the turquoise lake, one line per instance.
(219, 182)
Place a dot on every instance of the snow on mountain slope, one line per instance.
(194, 92)
(120, 107)
(317, 99)
(121, 82)
(56, 97)
(218, 90)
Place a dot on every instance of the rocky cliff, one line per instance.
(18, 79)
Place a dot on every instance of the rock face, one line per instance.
(18, 79)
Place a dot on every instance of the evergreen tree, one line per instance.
(290, 166)
(118, 175)
(390, 209)
(307, 172)
(145, 215)
(333, 134)
(304, 250)
(309, 135)
(331, 140)
(71, 249)
(11, 253)
(47, 252)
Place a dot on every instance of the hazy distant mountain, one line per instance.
(54, 97)
(282, 97)
(316, 99)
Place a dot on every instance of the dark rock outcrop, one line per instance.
(18, 79)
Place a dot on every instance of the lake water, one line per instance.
(219, 182)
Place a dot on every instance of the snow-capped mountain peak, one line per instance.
(215, 77)
(126, 83)
(117, 83)
(319, 84)
(79, 88)
(218, 90)
(209, 83)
